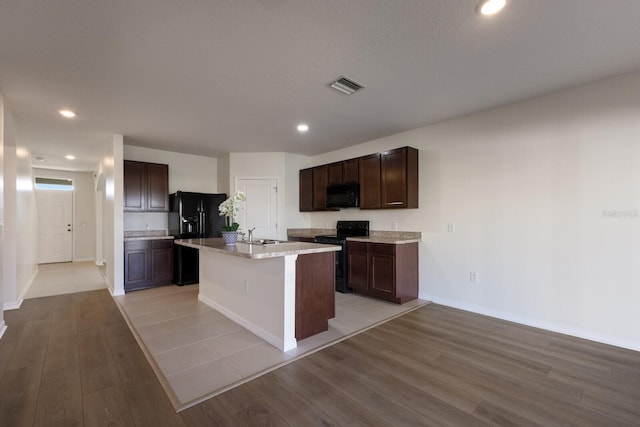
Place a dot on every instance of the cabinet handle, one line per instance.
(394, 203)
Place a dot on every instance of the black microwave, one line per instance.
(343, 196)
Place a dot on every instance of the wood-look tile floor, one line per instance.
(71, 360)
(198, 353)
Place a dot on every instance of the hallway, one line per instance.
(66, 278)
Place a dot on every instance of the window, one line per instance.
(54, 184)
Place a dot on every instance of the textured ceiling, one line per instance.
(212, 76)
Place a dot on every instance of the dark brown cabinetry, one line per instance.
(146, 186)
(345, 172)
(384, 271)
(147, 263)
(313, 189)
(369, 169)
(306, 190)
(320, 179)
(389, 179)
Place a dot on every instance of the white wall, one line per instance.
(84, 213)
(109, 177)
(545, 197)
(20, 219)
(27, 224)
(186, 172)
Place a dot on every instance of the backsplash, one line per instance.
(137, 221)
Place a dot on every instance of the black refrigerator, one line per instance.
(192, 216)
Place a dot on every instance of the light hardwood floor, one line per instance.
(71, 360)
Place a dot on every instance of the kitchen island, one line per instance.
(281, 292)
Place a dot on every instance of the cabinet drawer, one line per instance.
(134, 245)
(161, 244)
(357, 247)
(382, 249)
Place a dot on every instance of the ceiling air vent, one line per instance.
(346, 85)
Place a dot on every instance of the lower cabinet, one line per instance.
(147, 263)
(385, 271)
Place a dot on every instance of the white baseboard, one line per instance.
(274, 341)
(3, 328)
(536, 323)
(14, 305)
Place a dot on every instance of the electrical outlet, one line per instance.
(473, 277)
(451, 227)
(395, 225)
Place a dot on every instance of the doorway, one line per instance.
(54, 198)
(260, 209)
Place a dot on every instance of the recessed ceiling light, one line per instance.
(67, 113)
(70, 157)
(302, 127)
(491, 7)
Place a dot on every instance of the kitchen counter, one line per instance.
(255, 251)
(146, 235)
(390, 240)
(375, 236)
(310, 233)
(281, 292)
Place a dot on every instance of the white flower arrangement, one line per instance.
(229, 209)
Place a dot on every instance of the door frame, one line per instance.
(279, 200)
(35, 175)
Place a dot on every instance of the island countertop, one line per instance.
(256, 251)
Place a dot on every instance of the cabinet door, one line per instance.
(136, 265)
(399, 178)
(369, 177)
(350, 171)
(357, 276)
(320, 179)
(135, 186)
(382, 269)
(161, 259)
(335, 173)
(306, 190)
(158, 187)
(393, 178)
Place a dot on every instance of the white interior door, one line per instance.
(55, 226)
(260, 209)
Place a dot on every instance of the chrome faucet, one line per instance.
(250, 231)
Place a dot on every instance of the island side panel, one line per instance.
(258, 294)
(315, 293)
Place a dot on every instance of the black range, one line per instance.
(344, 229)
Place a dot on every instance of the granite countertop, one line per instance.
(146, 235)
(245, 250)
(375, 236)
(386, 240)
(310, 232)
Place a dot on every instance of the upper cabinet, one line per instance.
(146, 187)
(388, 180)
(345, 172)
(399, 178)
(313, 188)
(306, 190)
(320, 180)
